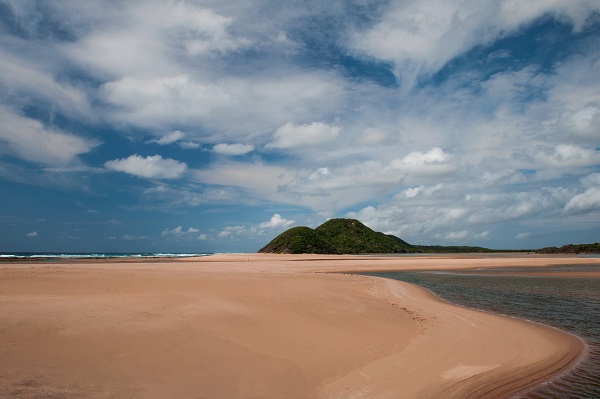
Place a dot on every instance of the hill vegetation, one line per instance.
(349, 236)
(572, 249)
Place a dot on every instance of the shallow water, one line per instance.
(571, 304)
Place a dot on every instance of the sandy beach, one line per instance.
(263, 326)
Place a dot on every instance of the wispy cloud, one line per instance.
(441, 120)
(151, 167)
(169, 138)
(233, 149)
(292, 136)
(30, 140)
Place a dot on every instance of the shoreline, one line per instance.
(206, 322)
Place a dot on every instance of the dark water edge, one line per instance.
(569, 303)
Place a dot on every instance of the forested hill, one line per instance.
(572, 249)
(349, 236)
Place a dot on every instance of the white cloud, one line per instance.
(293, 136)
(151, 167)
(233, 149)
(256, 179)
(568, 155)
(234, 106)
(175, 136)
(169, 138)
(232, 231)
(420, 36)
(584, 122)
(446, 213)
(139, 36)
(20, 78)
(587, 201)
(30, 140)
(276, 222)
(32, 234)
(329, 189)
(433, 162)
(179, 232)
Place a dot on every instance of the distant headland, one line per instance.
(350, 236)
(577, 249)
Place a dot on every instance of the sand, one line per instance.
(262, 326)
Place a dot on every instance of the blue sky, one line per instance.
(212, 126)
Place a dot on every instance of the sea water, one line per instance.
(91, 255)
(569, 303)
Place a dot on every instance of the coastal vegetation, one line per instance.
(350, 236)
(572, 249)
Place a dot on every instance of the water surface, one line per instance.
(569, 303)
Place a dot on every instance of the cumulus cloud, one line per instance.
(294, 136)
(30, 140)
(276, 222)
(233, 149)
(151, 167)
(32, 234)
(179, 232)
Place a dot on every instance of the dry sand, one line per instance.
(261, 326)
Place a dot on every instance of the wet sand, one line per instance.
(261, 326)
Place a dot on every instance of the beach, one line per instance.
(264, 326)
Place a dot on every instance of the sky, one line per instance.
(213, 126)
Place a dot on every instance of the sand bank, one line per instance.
(258, 326)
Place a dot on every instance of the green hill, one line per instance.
(299, 240)
(350, 236)
(336, 236)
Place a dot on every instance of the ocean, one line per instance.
(569, 303)
(90, 255)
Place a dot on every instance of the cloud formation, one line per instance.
(313, 134)
(276, 222)
(150, 167)
(459, 121)
(233, 149)
(420, 37)
(30, 140)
